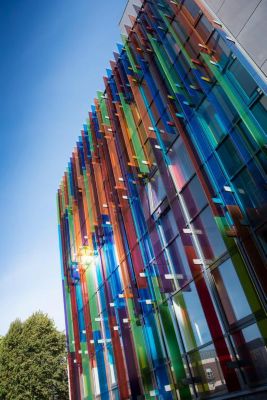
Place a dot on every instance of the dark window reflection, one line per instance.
(260, 112)
(252, 354)
(225, 111)
(242, 76)
(252, 193)
(262, 236)
(229, 156)
(207, 372)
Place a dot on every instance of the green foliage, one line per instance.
(33, 361)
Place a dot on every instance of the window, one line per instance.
(252, 354)
(191, 46)
(191, 318)
(157, 107)
(259, 110)
(180, 25)
(190, 81)
(96, 381)
(229, 156)
(225, 111)
(194, 197)
(165, 118)
(221, 49)
(231, 292)
(178, 260)
(180, 66)
(204, 27)
(172, 42)
(207, 371)
(214, 170)
(263, 160)
(145, 203)
(192, 8)
(180, 163)
(208, 234)
(155, 191)
(148, 254)
(217, 113)
(169, 226)
(262, 236)
(244, 141)
(250, 187)
(154, 236)
(242, 77)
(211, 120)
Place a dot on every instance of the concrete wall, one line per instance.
(247, 22)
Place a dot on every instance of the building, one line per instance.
(241, 17)
(162, 217)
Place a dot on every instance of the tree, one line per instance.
(33, 361)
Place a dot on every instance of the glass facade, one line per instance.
(162, 218)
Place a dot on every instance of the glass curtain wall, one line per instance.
(162, 218)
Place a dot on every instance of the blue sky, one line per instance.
(53, 56)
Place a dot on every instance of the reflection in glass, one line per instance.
(180, 163)
(211, 120)
(228, 152)
(219, 46)
(262, 236)
(252, 354)
(204, 27)
(155, 191)
(230, 291)
(169, 226)
(252, 193)
(208, 235)
(192, 8)
(191, 318)
(243, 78)
(178, 260)
(260, 111)
(194, 197)
(225, 111)
(207, 372)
